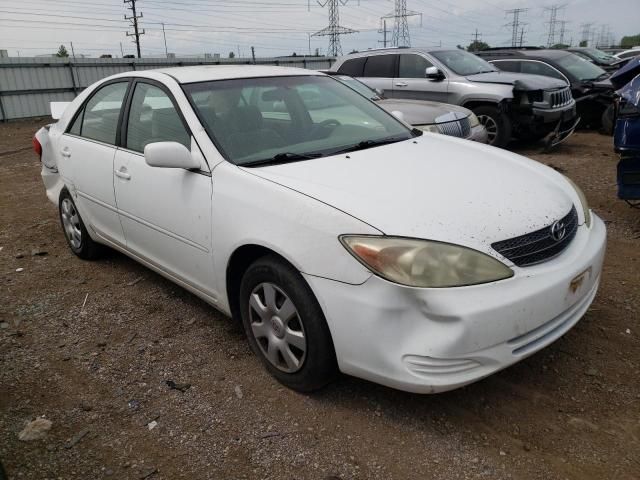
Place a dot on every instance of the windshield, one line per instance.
(358, 86)
(290, 118)
(463, 63)
(581, 69)
(599, 55)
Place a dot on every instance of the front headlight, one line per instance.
(473, 120)
(583, 202)
(428, 128)
(424, 263)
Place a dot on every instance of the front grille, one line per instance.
(459, 128)
(560, 98)
(538, 246)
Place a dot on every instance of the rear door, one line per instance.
(165, 212)
(378, 72)
(411, 81)
(88, 148)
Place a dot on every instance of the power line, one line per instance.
(334, 30)
(134, 22)
(401, 37)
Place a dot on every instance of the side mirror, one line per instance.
(379, 92)
(169, 155)
(398, 114)
(433, 73)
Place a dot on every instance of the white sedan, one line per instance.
(354, 244)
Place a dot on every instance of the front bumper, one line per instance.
(433, 340)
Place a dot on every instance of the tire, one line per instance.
(3, 475)
(296, 349)
(74, 230)
(498, 125)
(607, 120)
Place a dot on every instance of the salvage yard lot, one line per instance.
(91, 346)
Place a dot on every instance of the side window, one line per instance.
(507, 65)
(100, 116)
(353, 67)
(154, 118)
(380, 66)
(76, 128)
(538, 68)
(413, 66)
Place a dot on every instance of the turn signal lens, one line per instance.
(425, 263)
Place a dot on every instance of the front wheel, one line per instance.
(497, 124)
(285, 325)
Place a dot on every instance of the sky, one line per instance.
(281, 27)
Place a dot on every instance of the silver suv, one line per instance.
(519, 105)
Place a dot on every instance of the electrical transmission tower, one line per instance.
(134, 23)
(563, 31)
(334, 30)
(586, 33)
(553, 22)
(515, 25)
(400, 14)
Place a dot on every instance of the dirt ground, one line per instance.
(90, 346)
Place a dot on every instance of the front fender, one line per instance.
(251, 210)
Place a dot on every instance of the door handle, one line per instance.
(122, 173)
(65, 152)
(401, 84)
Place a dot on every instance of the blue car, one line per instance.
(626, 136)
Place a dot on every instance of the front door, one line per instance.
(412, 83)
(165, 212)
(89, 146)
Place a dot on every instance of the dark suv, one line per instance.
(508, 105)
(589, 83)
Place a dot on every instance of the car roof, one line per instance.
(550, 54)
(204, 73)
(398, 50)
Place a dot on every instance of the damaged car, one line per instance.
(590, 85)
(434, 117)
(351, 244)
(521, 106)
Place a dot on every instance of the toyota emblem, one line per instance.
(558, 230)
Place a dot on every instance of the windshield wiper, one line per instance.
(282, 157)
(367, 144)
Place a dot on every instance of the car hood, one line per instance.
(434, 187)
(522, 81)
(420, 112)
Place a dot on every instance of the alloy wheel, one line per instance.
(71, 223)
(490, 125)
(277, 327)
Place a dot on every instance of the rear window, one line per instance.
(353, 67)
(380, 66)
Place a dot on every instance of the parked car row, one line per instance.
(342, 238)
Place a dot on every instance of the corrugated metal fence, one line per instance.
(27, 85)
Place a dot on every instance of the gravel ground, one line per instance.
(91, 345)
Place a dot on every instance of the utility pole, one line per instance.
(476, 37)
(121, 50)
(164, 35)
(73, 52)
(553, 22)
(400, 14)
(253, 55)
(333, 30)
(521, 36)
(384, 32)
(515, 25)
(134, 22)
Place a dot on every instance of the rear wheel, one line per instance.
(74, 230)
(497, 124)
(285, 325)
